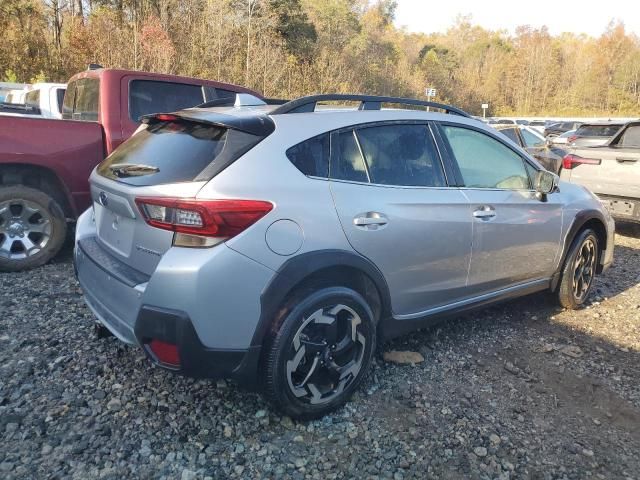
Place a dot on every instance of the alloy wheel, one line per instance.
(584, 269)
(326, 354)
(25, 229)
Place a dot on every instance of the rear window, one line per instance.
(147, 97)
(81, 100)
(178, 150)
(173, 152)
(511, 134)
(32, 100)
(597, 130)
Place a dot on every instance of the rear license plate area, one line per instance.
(114, 230)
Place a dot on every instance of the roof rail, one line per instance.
(367, 102)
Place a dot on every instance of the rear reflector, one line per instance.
(571, 161)
(209, 218)
(166, 353)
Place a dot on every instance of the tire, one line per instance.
(305, 378)
(579, 270)
(32, 228)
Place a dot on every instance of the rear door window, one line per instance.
(60, 98)
(346, 159)
(69, 100)
(311, 157)
(485, 162)
(215, 93)
(151, 96)
(403, 155)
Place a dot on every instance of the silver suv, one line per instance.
(277, 244)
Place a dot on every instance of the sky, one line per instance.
(585, 16)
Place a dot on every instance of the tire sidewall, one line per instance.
(58, 227)
(567, 297)
(279, 349)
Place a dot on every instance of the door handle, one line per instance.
(484, 213)
(364, 221)
(370, 220)
(626, 159)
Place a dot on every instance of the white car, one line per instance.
(41, 100)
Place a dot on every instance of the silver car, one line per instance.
(277, 245)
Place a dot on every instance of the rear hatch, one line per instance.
(168, 162)
(613, 169)
(590, 135)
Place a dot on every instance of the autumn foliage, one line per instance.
(287, 48)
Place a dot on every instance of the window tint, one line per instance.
(146, 97)
(531, 140)
(511, 134)
(311, 157)
(631, 137)
(69, 99)
(485, 162)
(60, 98)
(179, 150)
(86, 100)
(347, 162)
(597, 130)
(401, 155)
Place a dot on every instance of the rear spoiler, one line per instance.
(258, 125)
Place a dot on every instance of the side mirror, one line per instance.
(546, 183)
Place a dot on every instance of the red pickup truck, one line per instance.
(45, 164)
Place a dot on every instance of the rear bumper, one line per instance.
(622, 208)
(196, 360)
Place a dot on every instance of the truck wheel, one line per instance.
(579, 270)
(32, 228)
(320, 353)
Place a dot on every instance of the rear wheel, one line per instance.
(320, 353)
(32, 228)
(579, 270)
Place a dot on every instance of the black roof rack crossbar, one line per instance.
(367, 102)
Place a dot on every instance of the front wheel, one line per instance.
(320, 353)
(579, 270)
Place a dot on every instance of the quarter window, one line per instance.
(630, 138)
(511, 134)
(485, 162)
(530, 139)
(311, 157)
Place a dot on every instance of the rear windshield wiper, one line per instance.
(123, 170)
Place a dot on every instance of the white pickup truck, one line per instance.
(41, 100)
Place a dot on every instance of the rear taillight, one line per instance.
(221, 219)
(572, 138)
(571, 161)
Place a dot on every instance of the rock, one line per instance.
(587, 453)
(572, 351)
(228, 431)
(511, 368)
(403, 357)
(494, 439)
(188, 475)
(480, 451)
(261, 413)
(114, 405)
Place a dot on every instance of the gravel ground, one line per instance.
(521, 390)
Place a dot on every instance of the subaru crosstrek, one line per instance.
(277, 244)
